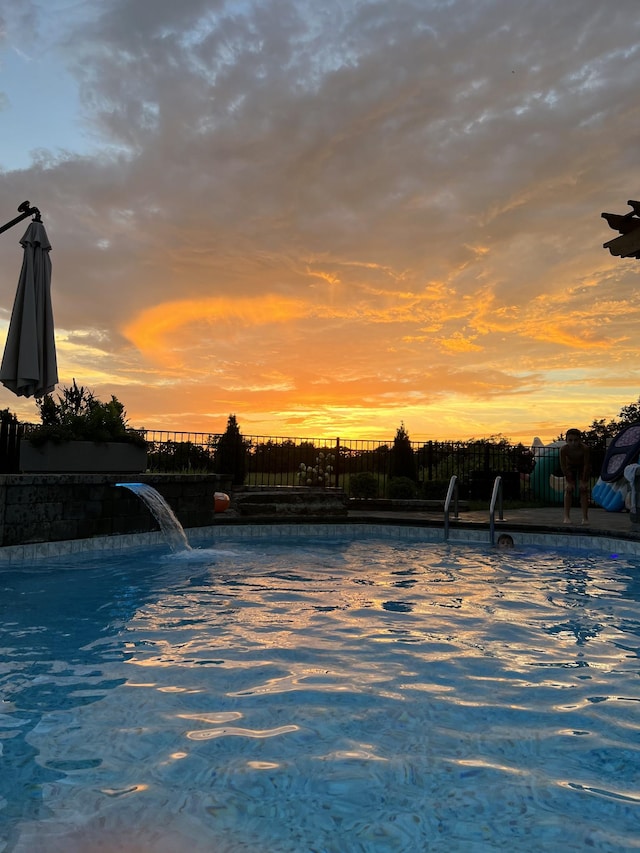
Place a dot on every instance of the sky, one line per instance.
(330, 219)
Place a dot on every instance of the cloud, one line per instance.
(350, 209)
(155, 328)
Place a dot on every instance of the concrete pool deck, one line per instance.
(535, 519)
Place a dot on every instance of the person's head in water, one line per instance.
(505, 541)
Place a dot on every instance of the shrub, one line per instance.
(319, 474)
(363, 485)
(179, 456)
(434, 489)
(402, 488)
(78, 415)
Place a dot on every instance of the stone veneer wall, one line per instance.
(287, 501)
(54, 507)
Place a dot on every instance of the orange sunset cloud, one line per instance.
(152, 329)
(389, 212)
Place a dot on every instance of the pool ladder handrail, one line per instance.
(452, 494)
(496, 497)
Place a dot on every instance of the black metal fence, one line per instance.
(367, 468)
(11, 432)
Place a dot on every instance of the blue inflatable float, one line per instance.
(610, 496)
(611, 490)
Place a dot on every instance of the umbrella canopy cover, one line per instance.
(29, 366)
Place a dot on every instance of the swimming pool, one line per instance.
(321, 695)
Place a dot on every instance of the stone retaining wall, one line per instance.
(55, 507)
(397, 505)
(284, 501)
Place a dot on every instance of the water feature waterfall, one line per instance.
(163, 514)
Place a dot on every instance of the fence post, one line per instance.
(337, 455)
(5, 460)
(10, 435)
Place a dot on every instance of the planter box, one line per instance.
(82, 457)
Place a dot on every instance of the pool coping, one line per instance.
(404, 529)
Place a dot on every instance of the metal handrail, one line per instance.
(496, 497)
(452, 494)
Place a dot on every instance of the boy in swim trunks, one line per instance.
(575, 461)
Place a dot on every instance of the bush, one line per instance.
(363, 485)
(179, 456)
(402, 488)
(78, 415)
(434, 490)
(319, 474)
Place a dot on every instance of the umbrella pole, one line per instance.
(25, 210)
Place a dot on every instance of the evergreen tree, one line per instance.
(403, 462)
(230, 458)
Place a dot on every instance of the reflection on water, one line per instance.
(327, 696)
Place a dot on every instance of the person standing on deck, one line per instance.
(575, 461)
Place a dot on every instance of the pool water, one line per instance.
(317, 695)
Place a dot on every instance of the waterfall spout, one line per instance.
(163, 514)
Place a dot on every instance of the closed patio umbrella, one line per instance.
(29, 366)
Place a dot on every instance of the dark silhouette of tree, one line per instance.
(601, 431)
(230, 458)
(179, 456)
(629, 414)
(403, 461)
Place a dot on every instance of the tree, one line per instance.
(179, 456)
(403, 462)
(231, 453)
(629, 414)
(600, 431)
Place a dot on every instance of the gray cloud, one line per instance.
(272, 146)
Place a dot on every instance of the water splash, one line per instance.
(163, 514)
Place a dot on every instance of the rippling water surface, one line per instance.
(321, 696)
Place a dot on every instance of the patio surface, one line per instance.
(541, 520)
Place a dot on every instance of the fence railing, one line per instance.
(363, 468)
(367, 468)
(11, 432)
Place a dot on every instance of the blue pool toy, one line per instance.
(610, 496)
